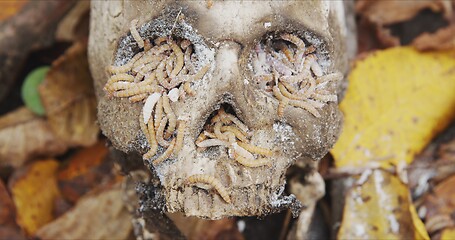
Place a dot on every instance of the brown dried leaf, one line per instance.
(23, 135)
(11, 233)
(95, 216)
(19, 116)
(433, 165)
(72, 27)
(196, 228)
(10, 8)
(7, 210)
(395, 11)
(440, 206)
(8, 226)
(443, 39)
(377, 16)
(69, 100)
(87, 169)
(34, 189)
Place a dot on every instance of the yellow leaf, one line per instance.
(397, 100)
(34, 190)
(419, 226)
(448, 234)
(380, 209)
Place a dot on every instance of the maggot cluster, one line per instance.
(289, 69)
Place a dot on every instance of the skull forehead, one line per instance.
(242, 20)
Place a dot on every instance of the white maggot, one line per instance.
(149, 105)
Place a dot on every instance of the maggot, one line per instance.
(170, 115)
(121, 85)
(242, 151)
(255, 149)
(120, 77)
(149, 105)
(187, 59)
(179, 59)
(217, 131)
(252, 163)
(158, 113)
(296, 103)
(127, 67)
(294, 39)
(180, 134)
(166, 153)
(134, 90)
(281, 106)
(236, 121)
(211, 143)
(237, 133)
(188, 89)
(138, 97)
(331, 77)
(214, 182)
(160, 75)
(152, 140)
(160, 133)
(135, 33)
(149, 133)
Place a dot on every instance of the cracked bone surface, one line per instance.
(242, 91)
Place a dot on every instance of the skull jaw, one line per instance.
(252, 191)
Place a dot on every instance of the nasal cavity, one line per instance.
(222, 128)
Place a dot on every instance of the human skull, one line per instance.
(240, 49)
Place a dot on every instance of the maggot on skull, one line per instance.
(220, 98)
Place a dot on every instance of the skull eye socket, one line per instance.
(158, 69)
(292, 69)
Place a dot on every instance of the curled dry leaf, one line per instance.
(392, 216)
(439, 206)
(197, 228)
(23, 135)
(99, 215)
(68, 97)
(395, 11)
(87, 169)
(34, 189)
(443, 39)
(376, 18)
(433, 165)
